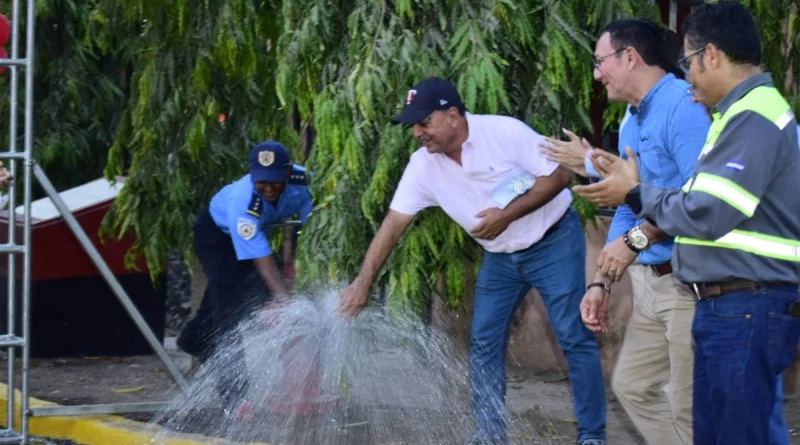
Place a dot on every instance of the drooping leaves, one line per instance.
(349, 70)
(202, 94)
(179, 91)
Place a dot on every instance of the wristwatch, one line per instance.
(636, 240)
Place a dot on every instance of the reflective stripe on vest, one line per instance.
(725, 190)
(764, 100)
(769, 103)
(753, 242)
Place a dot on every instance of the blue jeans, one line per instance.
(779, 432)
(555, 266)
(744, 341)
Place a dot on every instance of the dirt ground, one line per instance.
(540, 403)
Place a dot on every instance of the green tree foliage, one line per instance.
(79, 92)
(150, 79)
(779, 24)
(195, 63)
(349, 70)
(346, 67)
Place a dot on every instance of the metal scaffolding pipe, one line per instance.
(14, 62)
(114, 408)
(30, 38)
(12, 204)
(673, 15)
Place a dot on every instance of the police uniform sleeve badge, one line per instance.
(245, 228)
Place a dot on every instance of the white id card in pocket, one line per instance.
(517, 182)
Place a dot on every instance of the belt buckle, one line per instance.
(700, 291)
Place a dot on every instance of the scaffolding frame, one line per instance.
(10, 341)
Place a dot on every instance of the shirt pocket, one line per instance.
(655, 164)
(487, 175)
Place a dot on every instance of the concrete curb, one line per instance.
(99, 430)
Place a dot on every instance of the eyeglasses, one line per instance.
(598, 60)
(684, 63)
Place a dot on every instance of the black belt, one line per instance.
(705, 291)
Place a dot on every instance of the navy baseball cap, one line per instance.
(270, 161)
(424, 98)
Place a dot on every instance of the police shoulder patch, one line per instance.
(245, 228)
(298, 177)
(254, 208)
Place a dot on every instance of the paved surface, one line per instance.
(540, 400)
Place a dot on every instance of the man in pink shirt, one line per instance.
(487, 173)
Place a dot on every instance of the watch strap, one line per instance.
(629, 243)
(598, 284)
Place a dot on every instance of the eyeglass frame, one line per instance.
(685, 67)
(599, 60)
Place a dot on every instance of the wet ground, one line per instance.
(380, 425)
(540, 405)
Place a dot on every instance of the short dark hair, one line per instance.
(672, 53)
(657, 46)
(728, 25)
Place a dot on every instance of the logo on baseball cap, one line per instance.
(270, 161)
(424, 98)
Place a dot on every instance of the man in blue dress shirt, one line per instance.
(666, 131)
(231, 242)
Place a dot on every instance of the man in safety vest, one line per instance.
(737, 226)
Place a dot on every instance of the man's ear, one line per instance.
(453, 114)
(714, 56)
(631, 56)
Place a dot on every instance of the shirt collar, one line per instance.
(641, 111)
(288, 193)
(763, 79)
(471, 130)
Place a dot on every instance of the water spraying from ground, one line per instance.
(319, 378)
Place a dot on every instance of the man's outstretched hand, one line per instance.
(569, 154)
(353, 299)
(270, 313)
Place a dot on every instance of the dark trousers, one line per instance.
(230, 296)
(744, 341)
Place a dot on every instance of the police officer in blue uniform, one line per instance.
(231, 243)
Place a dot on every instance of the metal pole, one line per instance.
(114, 408)
(12, 205)
(98, 261)
(30, 36)
(290, 222)
(673, 15)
